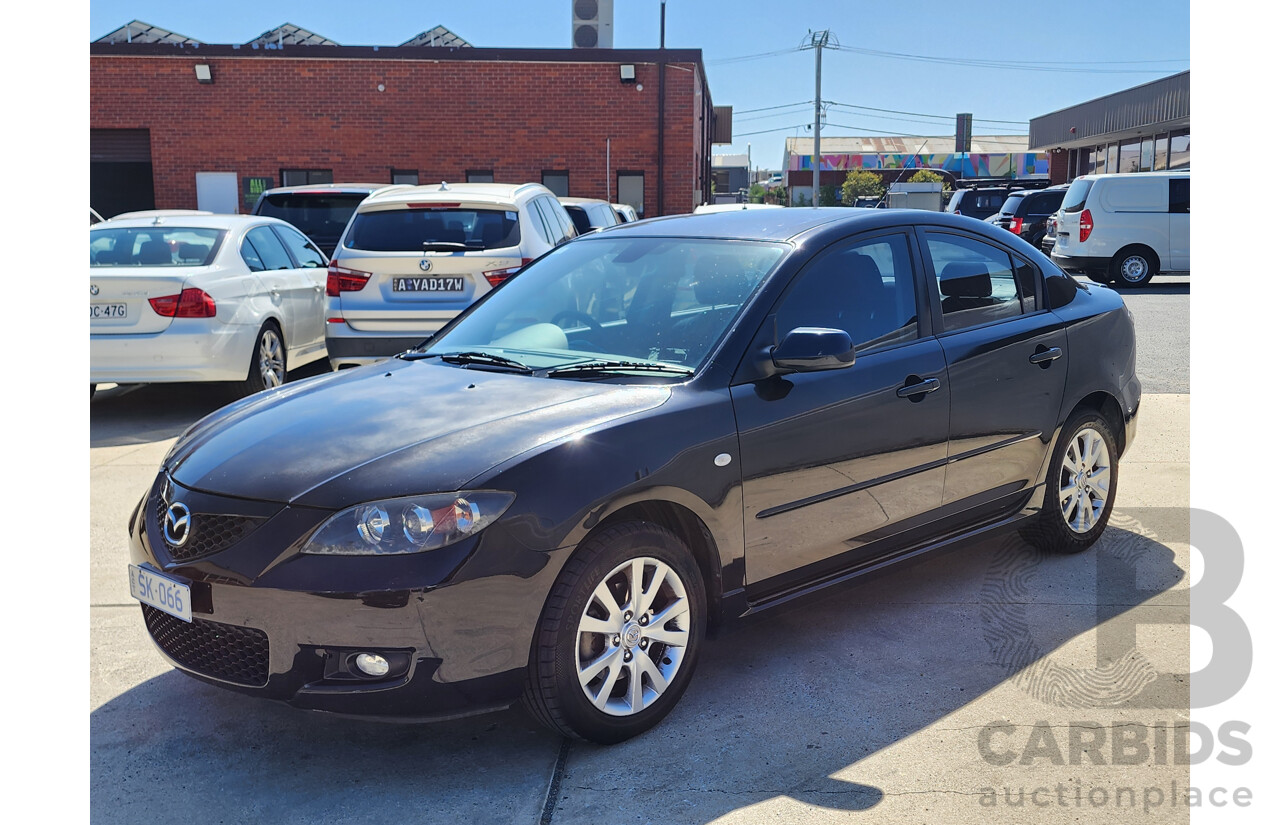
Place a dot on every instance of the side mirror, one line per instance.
(809, 349)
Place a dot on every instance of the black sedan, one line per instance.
(652, 429)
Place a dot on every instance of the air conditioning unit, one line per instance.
(592, 24)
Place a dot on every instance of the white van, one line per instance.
(1126, 228)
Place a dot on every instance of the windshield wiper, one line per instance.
(610, 367)
(444, 246)
(484, 359)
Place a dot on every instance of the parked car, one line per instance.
(650, 430)
(201, 297)
(320, 210)
(1050, 236)
(977, 203)
(413, 257)
(626, 212)
(1126, 228)
(1025, 212)
(589, 214)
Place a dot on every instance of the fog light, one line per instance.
(371, 664)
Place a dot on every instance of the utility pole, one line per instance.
(817, 40)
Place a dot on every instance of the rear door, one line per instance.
(836, 463)
(310, 267)
(1180, 224)
(1006, 362)
(426, 262)
(288, 288)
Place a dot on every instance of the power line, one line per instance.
(921, 114)
(1027, 66)
(745, 57)
(770, 108)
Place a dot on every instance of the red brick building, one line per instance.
(298, 114)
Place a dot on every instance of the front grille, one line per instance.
(223, 651)
(209, 533)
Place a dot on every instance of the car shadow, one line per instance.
(168, 409)
(784, 706)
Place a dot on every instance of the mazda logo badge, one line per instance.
(93, 289)
(424, 265)
(177, 524)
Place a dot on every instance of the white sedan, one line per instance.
(191, 297)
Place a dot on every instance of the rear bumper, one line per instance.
(191, 349)
(1087, 265)
(349, 348)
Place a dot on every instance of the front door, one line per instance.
(836, 463)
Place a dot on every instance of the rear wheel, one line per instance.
(267, 367)
(620, 635)
(1134, 266)
(1080, 489)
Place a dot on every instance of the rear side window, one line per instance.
(268, 248)
(407, 230)
(579, 217)
(303, 250)
(320, 215)
(1074, 200)
(1180, 195)
(153, 246)
(989, 200)
(976, 283)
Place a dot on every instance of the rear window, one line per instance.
(1011, 204)
(1073, 201)
(408, 230)
(153, 246)
(579, 217)
(318, 215)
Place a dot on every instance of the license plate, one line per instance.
(427, 284)
(151, 587)
(108, 310)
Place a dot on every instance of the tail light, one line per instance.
(342, 280)
(1086, 225)
(497, 276)
(1015, 226)
(190, 303)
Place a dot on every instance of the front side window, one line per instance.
(865, 287)
(153, 246)
(665, 301)
(408, 230)
(974, 281)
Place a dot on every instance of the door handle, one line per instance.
(919, 388)
(1043, 355)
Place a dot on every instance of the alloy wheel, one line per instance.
(1084, 480)
(632, 636)
(271, 359)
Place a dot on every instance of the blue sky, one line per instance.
(1088, 49)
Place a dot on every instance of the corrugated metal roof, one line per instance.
(135, 31)
(984, 145)
(1164, 103)
(439, 36)
(288, 34)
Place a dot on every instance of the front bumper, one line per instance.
(456, 623)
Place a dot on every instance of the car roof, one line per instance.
(712, 208)
(582, 201)
(191, 219)
(1163, 173)
(503, 193)
(331, 187)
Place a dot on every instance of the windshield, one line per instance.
(153, 246)
(1073, 201)
(407, 230)
(651, 300)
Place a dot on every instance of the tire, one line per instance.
(267, 366)
(1099, 277)
(588, 655)
(1074, 526)
(1134, 266)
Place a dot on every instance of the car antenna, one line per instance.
(444, 187)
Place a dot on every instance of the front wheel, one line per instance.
(267, 367)
(1080, 489)
(619, 637)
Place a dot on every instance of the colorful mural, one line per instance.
(1008, 165)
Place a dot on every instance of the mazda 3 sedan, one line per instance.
(646, 432)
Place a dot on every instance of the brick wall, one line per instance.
(264, 114)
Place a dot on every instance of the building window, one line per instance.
(1148, 154)
(303, 177)
(631, 190)
(557, 180)
(1113, 157)
(479, 176)
(1180, 149)
(1162, 153)
(409, 176)
(1129, 156)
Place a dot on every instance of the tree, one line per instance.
(926, 176)
(862, 184)
(756, 193)
(827, 195)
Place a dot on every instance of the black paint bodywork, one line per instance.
(790, 511)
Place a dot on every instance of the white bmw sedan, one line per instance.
(236, 298)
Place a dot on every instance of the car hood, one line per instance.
(400, 428)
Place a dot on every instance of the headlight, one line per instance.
(414, 524)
